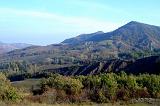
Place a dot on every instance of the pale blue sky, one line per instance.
(51, 21)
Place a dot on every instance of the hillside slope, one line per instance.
(4, 47)
(127, 42)
(81, 38)
(132, 36)
(149, 65)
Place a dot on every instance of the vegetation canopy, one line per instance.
(101, 88)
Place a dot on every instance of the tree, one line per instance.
(7, 92)
(109, 84)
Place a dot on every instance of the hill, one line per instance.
(149, 65)
(132, 41)
(5, 47)
(133, 36)
(81, 38)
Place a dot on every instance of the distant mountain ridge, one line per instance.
(7, 47)
(81, 38)
(133, 48)
(134, 35)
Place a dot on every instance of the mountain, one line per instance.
(132, 36)
(129, 42)
(81, 38)
(5, 47)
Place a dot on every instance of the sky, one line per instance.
(44, 22)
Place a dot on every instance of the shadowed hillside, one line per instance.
(149, 65)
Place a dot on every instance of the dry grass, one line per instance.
(38, 104)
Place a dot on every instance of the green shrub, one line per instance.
(109, 85)
(123, 94)
(151, 82)
(104, 87)
(7, 92)
(73, 86)
(92, 82)
(70, 85)
(98, 95)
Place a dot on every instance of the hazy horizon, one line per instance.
(46, 22)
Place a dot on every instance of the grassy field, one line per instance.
(26, 85)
